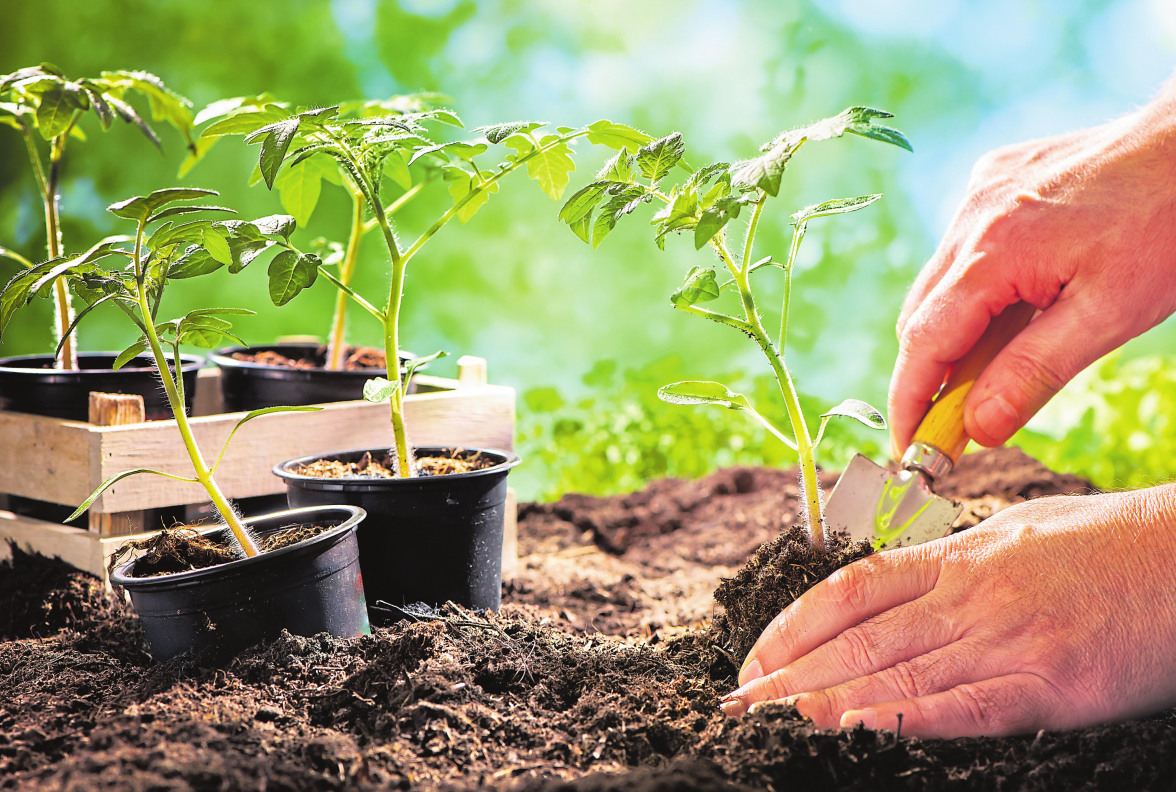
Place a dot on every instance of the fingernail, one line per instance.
(733, 707)
(751, 671)
(996, 418)
(866, 717)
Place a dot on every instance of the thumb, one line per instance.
(1042, 358)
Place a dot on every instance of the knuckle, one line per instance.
(907, 681)
(852, 585)
(857, 651)
(977, 707)
(1039, 371)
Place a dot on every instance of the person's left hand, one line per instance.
(1053, 614)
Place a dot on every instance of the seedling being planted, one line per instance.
(167, 246)
(703, 205)
(379, 151)
(45, 107)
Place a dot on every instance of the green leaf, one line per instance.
(300, 185)
(619, 168)
(617, 136)
(245, 122)
(110, 482)
(710, 222)
(836, 206)
(172, 211)
(129, 354)
(415, 363)
(700, 286)
(681, 213)
(655, 159)
(859, 411)
(496, 133)
(142, 207)
(274, 147)
(703, 392)
(465, 150)
(56, 110)
(621, 204)
(396, 169)
(584, 200)
(764, 172)
(280, 225)
(254, 414)
(290, 273)
(217, 246)
(550, 165)
(461, 184)
(379, 390)
(583, 228)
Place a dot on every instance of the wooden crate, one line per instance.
(62, 462)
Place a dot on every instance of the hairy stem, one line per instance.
(64, 314)
(174, 391)
(805, 448)
(336, 342)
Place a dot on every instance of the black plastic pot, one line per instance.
(426, 539)
(253, 386)
(311, 587)
(30, 384)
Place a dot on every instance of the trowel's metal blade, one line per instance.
(870, 502)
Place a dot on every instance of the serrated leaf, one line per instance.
(681, 213)
(274, 147)
(245, 122)
(584, 200)
(703, 392)
(379, 390)
(142, 207)
(700, 286)
(836, 206)
(859, 411)
(655, 159)
(551, 166)
(55, 111)
(465, 150)
(617, 136)
(619, 168)
(290, 273)
(281, 225)
(461, 185)
(496, 133)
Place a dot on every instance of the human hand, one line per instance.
(1082, 226)
(1053, 614)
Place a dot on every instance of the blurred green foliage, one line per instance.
(1115, 424)
(516, 287)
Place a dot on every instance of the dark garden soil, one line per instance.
(452, 460)
(603, 671)
(357, 359)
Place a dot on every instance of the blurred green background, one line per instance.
(587, 337)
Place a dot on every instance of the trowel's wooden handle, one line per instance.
(943, 425)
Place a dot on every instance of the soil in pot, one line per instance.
(431, 538)
(195, 593)
(580, 675)
(292, 374)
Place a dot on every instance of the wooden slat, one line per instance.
(467, 416)
(45, 458)
(116, 409)
(75, 546)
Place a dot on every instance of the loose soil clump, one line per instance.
(603, 670)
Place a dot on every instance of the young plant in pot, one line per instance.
(702, 205)
(305, 372)
(46, 109)
(235, 583)
(436, 515)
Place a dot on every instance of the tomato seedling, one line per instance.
(703, 205)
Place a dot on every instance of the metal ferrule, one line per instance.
(928, 459)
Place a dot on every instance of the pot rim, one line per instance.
(509, 460)
(189, 362)
(120, 576)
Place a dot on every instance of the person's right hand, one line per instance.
(1082, 226)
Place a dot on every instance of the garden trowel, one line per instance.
(893, 509)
